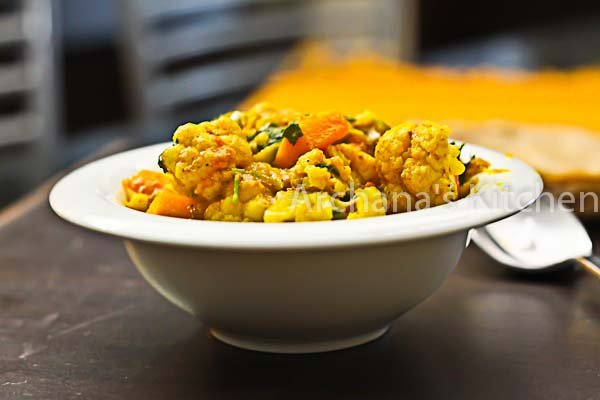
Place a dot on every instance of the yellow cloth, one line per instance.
(320, 79)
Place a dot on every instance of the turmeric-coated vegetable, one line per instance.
(279, 165)
(288, 153)
(146, 182)
(172, 204)
(318, 132)
(323, 129)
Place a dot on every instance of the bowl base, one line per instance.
(292, 347)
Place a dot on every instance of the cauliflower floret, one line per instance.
(248, 195)
(416, 162)
(362, 163)
(202, 135)
(315, 172)
(366, 130)
(298, 206)
(275, 179)
(204, 155)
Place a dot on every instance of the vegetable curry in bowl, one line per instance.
(280, 165)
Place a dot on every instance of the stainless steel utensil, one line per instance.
(544, 237)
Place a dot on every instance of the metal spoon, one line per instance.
(544, 237)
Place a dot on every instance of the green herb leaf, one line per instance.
(161, 164)
(460, 149)
(236, 188)
(462, 177)
(276, 134)
(292, 132)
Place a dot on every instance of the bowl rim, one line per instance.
(88, 197)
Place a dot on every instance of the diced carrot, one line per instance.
(288, 153)
(172, 204)
(318, 132)
(323, 129)
(147, 182)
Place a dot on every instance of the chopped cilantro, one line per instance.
(236, 188)
(461, 177)
(161, 164)
(292, 132)
(333, 170)
(276, 134)
(269, 128)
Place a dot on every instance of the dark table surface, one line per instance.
(77, 321)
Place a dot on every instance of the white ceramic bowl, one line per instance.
(296, 287)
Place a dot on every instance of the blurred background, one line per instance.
(76, 75)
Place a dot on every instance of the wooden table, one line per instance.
(77, 321)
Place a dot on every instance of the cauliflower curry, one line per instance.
(279, 165)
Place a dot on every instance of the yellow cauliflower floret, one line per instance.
(315, 172)
(316, 177)
(274, 179)
(195, 134)
(291, 205)
(366, 130)
(248, 195)
(418, 160)
(369, 203)
(203, 156)
(362, 163)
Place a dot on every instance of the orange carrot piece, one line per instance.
(318, 132)
(288, 153)
(323, 129)
(172, 204)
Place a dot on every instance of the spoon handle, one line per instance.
(591, 264)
